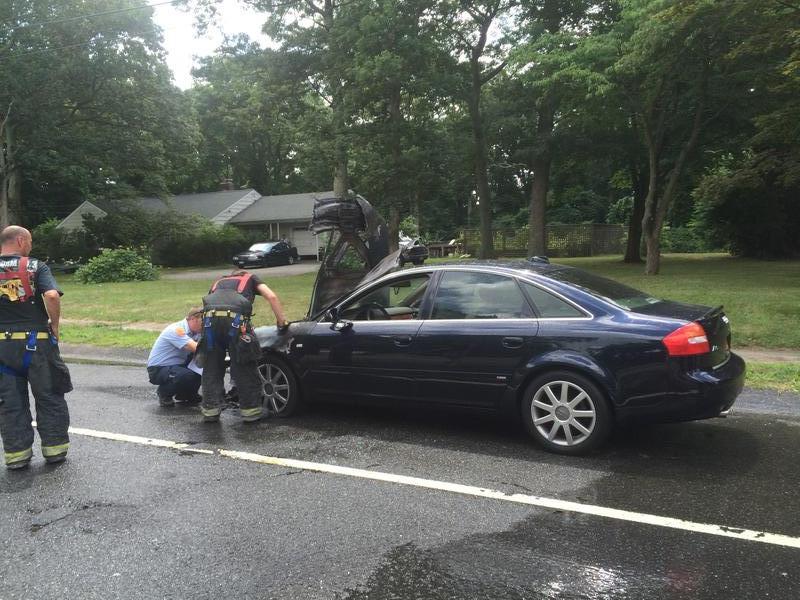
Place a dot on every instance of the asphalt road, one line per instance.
(124, 518)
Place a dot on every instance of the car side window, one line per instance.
(474, 295)
(548, 305)
(398, 299)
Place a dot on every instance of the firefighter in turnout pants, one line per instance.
(29, 355)
(226, 327)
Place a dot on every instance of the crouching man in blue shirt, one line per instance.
(170, 365)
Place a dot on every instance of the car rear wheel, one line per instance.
(566, 413)
(281, 390)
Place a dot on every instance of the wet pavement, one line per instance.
(125, 520)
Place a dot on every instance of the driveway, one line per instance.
(306, 266)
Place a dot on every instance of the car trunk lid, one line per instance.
(714, 322)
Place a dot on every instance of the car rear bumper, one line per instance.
(692, 395)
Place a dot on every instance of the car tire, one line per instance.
(566, 413)
(282, 396)
(418, 262)
(290, 260)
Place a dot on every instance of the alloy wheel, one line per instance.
(277, 390)
(563, 413)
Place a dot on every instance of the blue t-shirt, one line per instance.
(168, 349)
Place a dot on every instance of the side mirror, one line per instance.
(331, 314)
(342, 325)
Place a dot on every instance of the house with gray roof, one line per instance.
(284, 216)
(274, 217)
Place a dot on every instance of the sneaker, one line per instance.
(58, 458)
(166, 401)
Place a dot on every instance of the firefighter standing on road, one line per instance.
(226, 326)
(30, 309)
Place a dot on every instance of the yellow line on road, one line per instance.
(737, 533)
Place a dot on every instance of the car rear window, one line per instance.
(618, 293)
(548, 306)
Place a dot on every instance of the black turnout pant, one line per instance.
(49, 380)
(244, 352)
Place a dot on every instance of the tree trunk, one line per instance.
(340, 177)
(540, 165)
(417, 203)
(481, 163)
(394, 228)
(10, 182)
(394, 194)
(651, 228)
(633, 249)
(658, 207)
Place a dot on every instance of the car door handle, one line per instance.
(513, 342)
(402, 340)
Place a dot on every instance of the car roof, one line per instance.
(520, 266)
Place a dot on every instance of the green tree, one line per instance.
(251, 115)
(87, 106)
(679, 73)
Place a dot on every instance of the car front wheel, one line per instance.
(290, 260)
(566, 413)
(281, 390)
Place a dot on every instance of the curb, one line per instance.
(100, 360)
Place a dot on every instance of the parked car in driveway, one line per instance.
(567, 353)
(267, 254)
(412, 250)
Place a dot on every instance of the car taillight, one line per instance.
(687, 340)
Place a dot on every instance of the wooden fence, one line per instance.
(562, 240)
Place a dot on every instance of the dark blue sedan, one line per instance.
(568, 352)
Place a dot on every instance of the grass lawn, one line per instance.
(761, 298)
(784, 377)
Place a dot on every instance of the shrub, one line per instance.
(57, 245)
(750, 206)
(197, 241)
(120, 264)
(681, 239)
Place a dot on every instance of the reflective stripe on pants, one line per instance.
(49, 451)
(16, 457)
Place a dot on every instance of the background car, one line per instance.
(567, 353)
(267, 254)
(412, 250)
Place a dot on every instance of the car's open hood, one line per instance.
(356, 250)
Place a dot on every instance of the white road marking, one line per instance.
(135, 439)
(466, 490)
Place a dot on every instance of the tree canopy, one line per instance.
(663, 115)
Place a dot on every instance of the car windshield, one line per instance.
(618, 293)
(263, 247)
